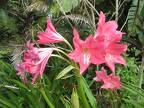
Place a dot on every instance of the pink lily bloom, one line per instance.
(35, 60)
(108, 34)
(85, 51)
(107, 31)
(38, 67)
(21, 71)
(100, 75)
(112, 82)
(50, 35)
(113, 55)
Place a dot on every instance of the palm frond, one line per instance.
(16, 56)
(133, 16)
(39, 5)
(77, 18)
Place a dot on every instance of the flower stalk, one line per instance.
(82, 93)
(46, 99)
(116, 11)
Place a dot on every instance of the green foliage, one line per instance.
(67, 5)
(20, 20)
(15, 94)
(132, 17)
(89, 94)
(39, 5)
(6, 21)
(136, 98)
(99, 1)
(135, 19)
(130, 72)
(4, 52)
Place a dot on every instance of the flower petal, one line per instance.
(100, 75)
(116, 49)
(119, 59)
(50, 26)
(112, 82)
(101, 18)
(50, 35)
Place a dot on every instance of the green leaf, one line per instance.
(3, 17)
(142, 12)
(65, 102)
(66, 76)
(134, 13)
(99, 1)
(141, 37)
(67, 5)
(4, 101)
(132, 16)
(133, 102)
(21, 85)
(64, 72)
(6, 21)
(89, 94)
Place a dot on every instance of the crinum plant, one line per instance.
(103, 47)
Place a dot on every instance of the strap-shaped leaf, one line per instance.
(89, 94)
(64, 72)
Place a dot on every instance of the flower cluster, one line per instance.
(34, 62)
(35, 59)
(103, 47)
(110, 81)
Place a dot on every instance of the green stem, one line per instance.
(116, 12)
(68, 44)
(112, 99)
(81, 90)
(141, 75)
(46, 99)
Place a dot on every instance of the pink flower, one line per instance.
(107, 31)
(100, 75)
(50, 35)
(37, 68)
(113, 55)
(112, 82)
(35, 60)
(108, 34)
(21, 71)
(85, 52)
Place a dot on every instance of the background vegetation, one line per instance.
(20, 20)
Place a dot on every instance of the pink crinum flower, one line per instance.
(35, 60)
(104, 47)
(50, 35)
(107, 31)
(85, 51)
(110, 81)
(113, 55)
(108, 34)
(100, 75)
(21, 71)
